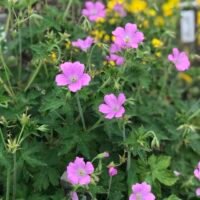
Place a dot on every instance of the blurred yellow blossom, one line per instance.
(158, 54)
(185, 77)
(169, 6)
(156, 43)
(159, 21)
(53, 56)
(151, 12)
(136, 6)
(97, 34)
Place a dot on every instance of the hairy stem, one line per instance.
(8, 184)
(80, 111)
(14, 176)
(109, 187)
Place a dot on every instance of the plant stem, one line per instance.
(2, 138)
(95, 125)
(33, 76)
(109, 187)
(128, 161)
(80, 111)
(8, 184)
(67, 9)
(19, 140)
(7, 71)
(8, 20)
(128, 165)
(14, 176)
(20, 53)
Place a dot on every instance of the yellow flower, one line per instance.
(156, 43)
(145, 23)
(136, 6)
(185, 77)
(97, 34)
(151, 12)
(159, 21)
(53, 56)
(158, 54)
(169, 6)
(106, 38)
(68, 44)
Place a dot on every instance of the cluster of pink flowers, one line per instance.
(74, 77)
(197, 176)
(124, 38)
(84, 45)
(141, 191)
(94, 11)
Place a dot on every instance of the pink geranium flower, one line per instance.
(73, 76)
(73, 196)
(94, 10)
(120, 9)
(180, 59)
(84, 45)
(198, 192)
(78, 172)
(142, 191)
(112, 171)
(119, 60)
(112, 106)
(128, 37)
(197, 171)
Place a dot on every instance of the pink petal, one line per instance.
(78, 68)
(61, 80)
(74, 87)
(121, 98)
(85, 180)
(104, 109)
(85, 79)
(130, 28)
(170, 57)
(66, 68)
(175, 52)
(89, 168)
(110, 99)
(110, 115)
(120, 112)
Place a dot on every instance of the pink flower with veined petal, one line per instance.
(112, 171)
(142, 191)
(120, 9)
(94, 10)
(78, 172)
(74, 196)
(119, 60)
(128, 37)
(180, 59)
(198, 192)
(84, 45)
(197, 171)
(73, 76)
(113, 106)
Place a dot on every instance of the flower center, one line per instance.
(94, 12)
(127, 39)
(73, 79)
(116, 108)
(81, 172)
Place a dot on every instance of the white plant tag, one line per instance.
(187, 26)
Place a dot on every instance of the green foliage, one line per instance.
(40, 124)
